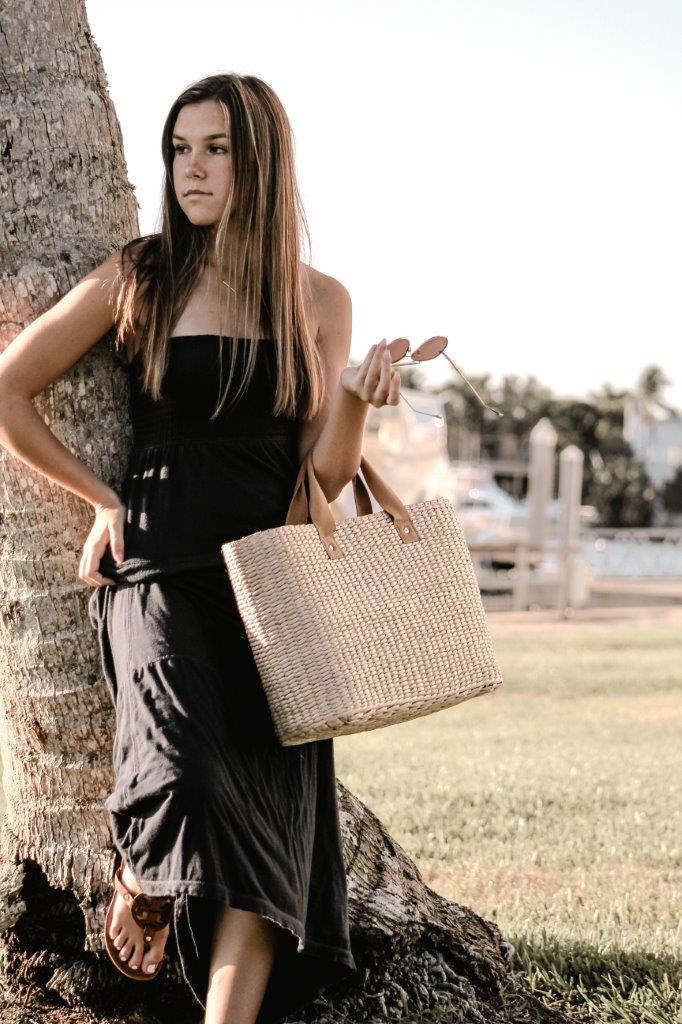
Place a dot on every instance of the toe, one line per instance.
(152, 957)
(126, 949)
(136, 957)
(149, 963)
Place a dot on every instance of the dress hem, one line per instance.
(307, 947)
(242, 901)
(344, 961)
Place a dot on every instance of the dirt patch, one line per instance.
(547, 621)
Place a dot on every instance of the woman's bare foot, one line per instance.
(127, 934)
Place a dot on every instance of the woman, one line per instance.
(230, 835)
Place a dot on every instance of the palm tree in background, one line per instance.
(646, 396)
(650, 384)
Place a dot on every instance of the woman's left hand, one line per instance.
(374, 380)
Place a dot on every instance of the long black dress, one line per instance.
(207, 804)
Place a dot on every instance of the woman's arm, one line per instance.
(39, 355)
(336, 433)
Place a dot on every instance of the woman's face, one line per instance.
(202, 161)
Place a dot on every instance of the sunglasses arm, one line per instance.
(421, 412)
(420, 362)
(492, 409)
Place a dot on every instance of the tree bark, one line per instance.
(67, 205)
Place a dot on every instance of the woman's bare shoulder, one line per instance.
(331, 311)
(329, 298)
(325, 287)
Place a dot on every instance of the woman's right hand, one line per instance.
(374, 380)
(107, 529)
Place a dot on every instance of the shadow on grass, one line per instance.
(605, 987)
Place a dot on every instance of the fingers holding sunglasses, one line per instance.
(393, 397)
(383, 389)
(375, 376)
(372, 376)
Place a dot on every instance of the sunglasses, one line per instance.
(429, 349)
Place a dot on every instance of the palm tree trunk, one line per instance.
(68, 205)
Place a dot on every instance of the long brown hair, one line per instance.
(259, 239)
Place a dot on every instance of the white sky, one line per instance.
(505, 172)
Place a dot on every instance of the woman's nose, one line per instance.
(194, 166)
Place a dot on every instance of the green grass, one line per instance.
(553, 807)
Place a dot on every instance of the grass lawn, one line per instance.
(553, 807)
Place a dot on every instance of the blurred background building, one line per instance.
(624, 446)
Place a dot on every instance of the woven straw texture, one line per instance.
(391, 631)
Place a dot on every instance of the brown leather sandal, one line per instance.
(151, 912)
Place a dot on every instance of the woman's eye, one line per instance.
(221, 148)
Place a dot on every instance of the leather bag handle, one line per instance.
(315, 505)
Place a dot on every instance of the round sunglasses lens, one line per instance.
(398, 347)
(430, 348)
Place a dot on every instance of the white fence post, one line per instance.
(543, 438)
(521, 576)
(570, 491)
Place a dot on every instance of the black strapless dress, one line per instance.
(207, 805)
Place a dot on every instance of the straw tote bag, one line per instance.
(363, 623)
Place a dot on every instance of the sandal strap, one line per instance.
(151, 912)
